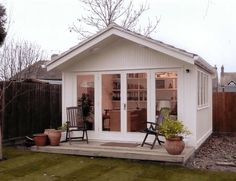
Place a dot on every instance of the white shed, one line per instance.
(129, 77)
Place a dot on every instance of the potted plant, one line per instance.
(174, 130)
(86, 103)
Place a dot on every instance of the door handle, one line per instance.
(124, 106)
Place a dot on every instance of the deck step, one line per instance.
(117, 152)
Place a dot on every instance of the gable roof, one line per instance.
(227, 78)
(232, 83)
(38, 71)
(116, 30)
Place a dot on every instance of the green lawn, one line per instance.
(26, 165)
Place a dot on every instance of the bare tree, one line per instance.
(3, 20)
(17, 58)
(3, 33)
(102, 13)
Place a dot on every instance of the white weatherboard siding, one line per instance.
(124, 55)
(204, 118)
(69, 92)
(189, 104)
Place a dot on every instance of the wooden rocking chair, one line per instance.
(76, 122)
(153, 128)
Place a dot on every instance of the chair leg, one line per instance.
(66, 135)
(144, 140)
(86, 136)
(159, 141)
(154, 142)
(83, 136)
(69, 138)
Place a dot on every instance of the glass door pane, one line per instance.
(166, 92)
(136, 101)
(85, 88)
(111, 102)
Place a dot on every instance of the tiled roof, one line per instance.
(227, 77)
(38, 70)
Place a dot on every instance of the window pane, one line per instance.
(166, 91)
(199, 88)
(111, 102)
(85, 87)
(136, 102)
(202, 83)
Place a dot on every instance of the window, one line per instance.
(85, 86)
(166, 91)
(202, 89)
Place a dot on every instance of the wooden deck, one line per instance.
(125, 150)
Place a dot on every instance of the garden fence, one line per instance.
(224, 112)
(29, 108)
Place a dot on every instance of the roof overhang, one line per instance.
(118, 31)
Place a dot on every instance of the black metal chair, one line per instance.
(153, 128)
(76, 122)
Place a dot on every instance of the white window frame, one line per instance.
(203, 85)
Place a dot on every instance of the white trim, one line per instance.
(203, 107)
(202, 89)
(64, 118)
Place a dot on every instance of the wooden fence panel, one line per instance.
(224, 112)
(30, 108)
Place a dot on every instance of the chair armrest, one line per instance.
(68, 123)
(152, 123)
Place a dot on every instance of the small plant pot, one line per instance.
(40, 139)
(174, 146)
(54, 137)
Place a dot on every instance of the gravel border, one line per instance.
(218, 153)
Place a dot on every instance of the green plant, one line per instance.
(86, 104)
(63, 127)
(172, 128)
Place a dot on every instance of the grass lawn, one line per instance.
(26, 165)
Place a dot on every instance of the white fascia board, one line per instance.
(203, 64)
(81, 48)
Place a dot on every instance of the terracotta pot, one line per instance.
(174, 146)
(46, 131)
(54, 137)
(40, 139)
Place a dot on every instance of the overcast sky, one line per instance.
(205, 27)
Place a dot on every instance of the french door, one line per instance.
(124, 101)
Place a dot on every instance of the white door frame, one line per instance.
(123, 135)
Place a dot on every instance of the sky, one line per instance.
(204, 27)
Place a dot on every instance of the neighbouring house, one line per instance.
(227, 81)
(37, 72)
(129, 78)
